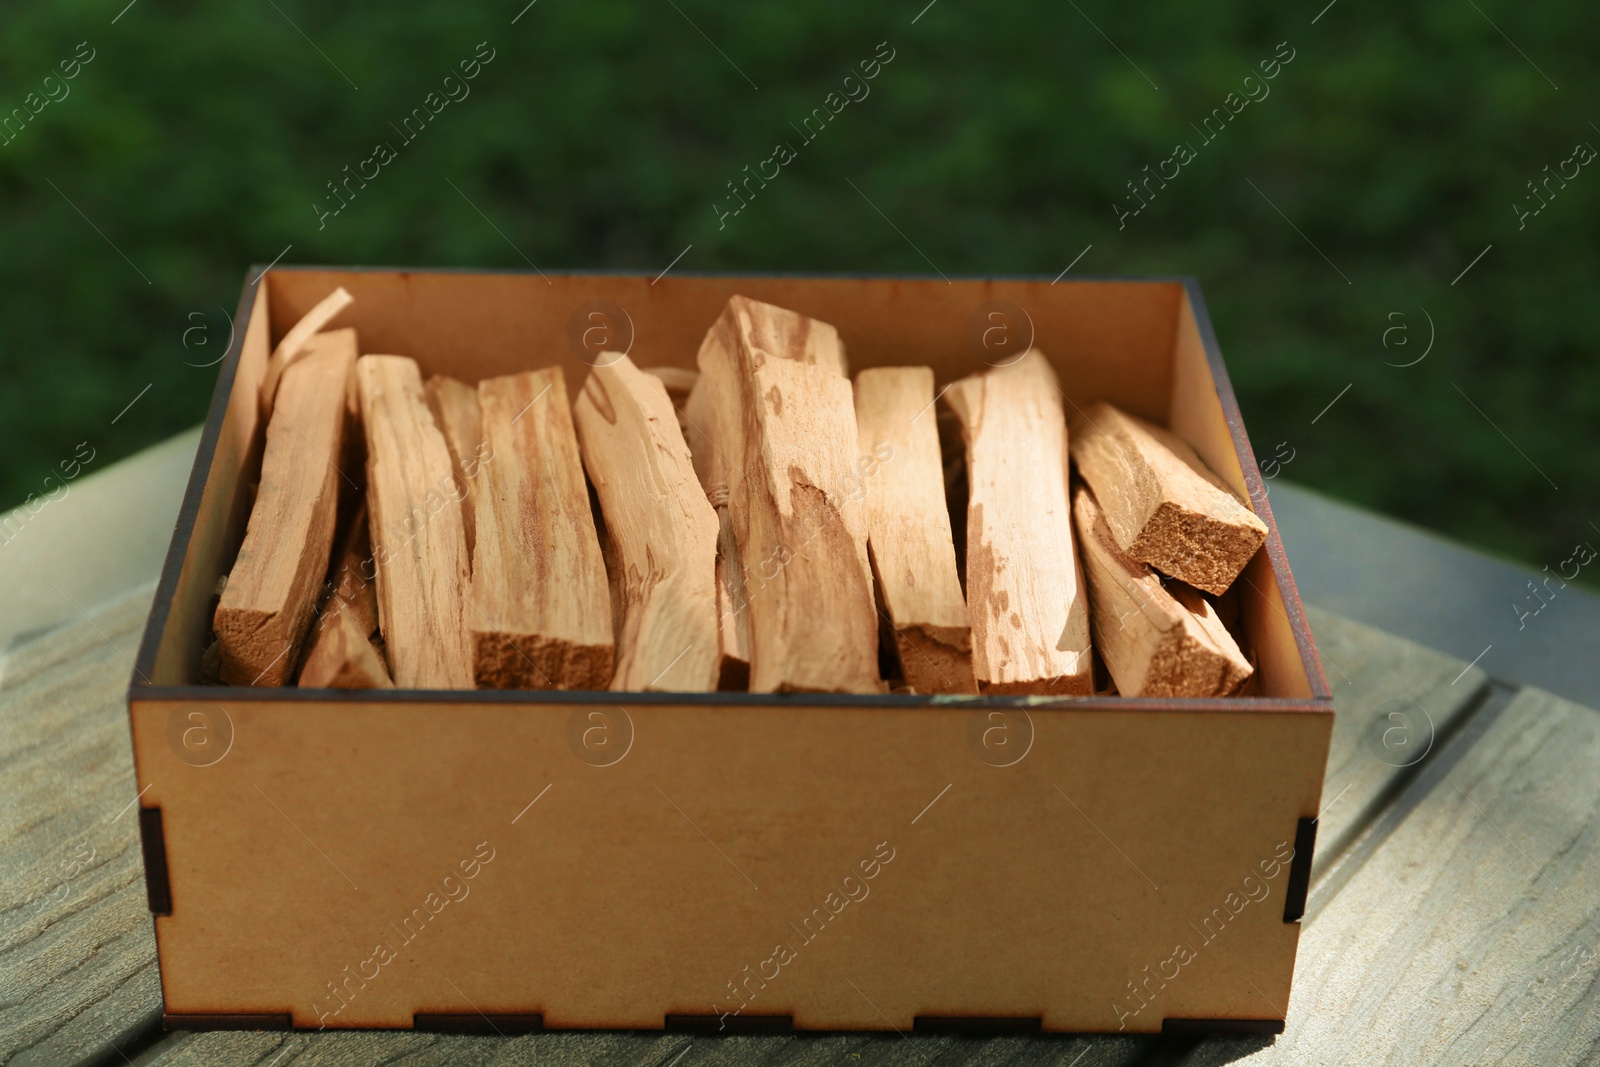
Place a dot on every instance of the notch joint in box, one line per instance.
(153, 843)
(1305, 844)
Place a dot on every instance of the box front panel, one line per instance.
(609, 865)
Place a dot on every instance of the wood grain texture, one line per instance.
(540, 609)
(294, 347)
(271, 593)
(1025, 588)
(349, 611)
(418, 541)
(77, 949)
(698, 418)
(455, 409)
(634, 1049)
(664, 530)
(1155, 639)
(908, 528)
(1472, 935)
(785, 421)
(344, 658)
(353, 456)
(1395, 701)
(1164, 505)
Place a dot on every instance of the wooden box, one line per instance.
(728, 862)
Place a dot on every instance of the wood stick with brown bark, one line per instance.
(1025, 594)
(418, 541)
(784, 418)
(908, 527)
(271, 592)
(1156, 640)
(1163, 504)
(664, 530)
(540, 612)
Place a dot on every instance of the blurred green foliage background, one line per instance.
(1397, 140)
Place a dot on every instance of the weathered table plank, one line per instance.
(1393, 701)
(1473, 934)
(77, 950)
(612, 1049)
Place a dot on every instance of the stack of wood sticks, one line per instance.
(763, 523)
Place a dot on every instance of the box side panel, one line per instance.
(223, 511)
(1204, 413)
(1099, 870)
(1108, 339)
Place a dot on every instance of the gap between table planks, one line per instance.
(1426, 937)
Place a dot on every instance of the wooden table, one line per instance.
(1454, 914)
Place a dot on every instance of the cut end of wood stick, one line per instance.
(419, 542)
(1157, 640)
(1025, 588)
(540, 606)
(663, 529)
(1161, 502)
(936, 659)
(527, 661)
(908, 526)
(292, 347)
(271, 592)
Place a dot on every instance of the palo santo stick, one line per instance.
(344, 340)
(908, 529)
(343, 658)
(332, 654)
(292, 347)
(419, 545)
(1164, 506)
(1025, 595)
(785, 422)
(664, 530)
(733, 623)
(540, 614)
(1156, 641)
(455, 408)
(272, 589)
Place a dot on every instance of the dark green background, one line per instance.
(998, 139)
